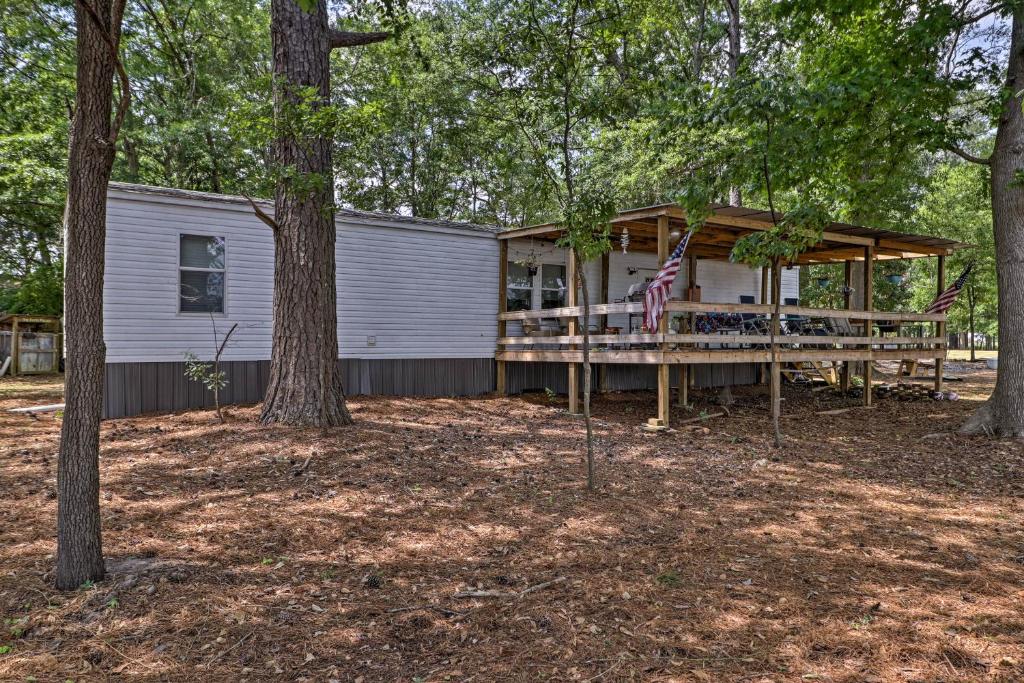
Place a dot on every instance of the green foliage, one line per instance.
(669, 579)
(525, 111)
(40, 292)
(800, 229)
(957, 206)
(204, 373)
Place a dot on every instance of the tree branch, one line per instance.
(261, 214)
(964, 154)
(336, 38)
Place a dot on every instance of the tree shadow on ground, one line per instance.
(707, 556)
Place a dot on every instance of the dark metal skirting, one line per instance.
(137, 388)
(524, 377)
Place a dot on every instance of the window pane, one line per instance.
(202, 292)
(518, 300)
(552, 277)
(202, 252)
(552, 298)
(519, 275)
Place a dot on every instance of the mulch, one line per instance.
(453, 540)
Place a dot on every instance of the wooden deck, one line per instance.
(911, 337)
(729, 346)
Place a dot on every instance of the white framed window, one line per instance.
(519, 289)
(202, 274)
(552, 286)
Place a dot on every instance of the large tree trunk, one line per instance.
(90, 158)
(1003, 413)
(305, 382)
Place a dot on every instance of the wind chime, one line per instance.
(624, 240)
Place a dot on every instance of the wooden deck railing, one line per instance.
(730, 346)
(692, 307)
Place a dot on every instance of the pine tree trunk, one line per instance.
(305, 381)
(1003, 413)
(90, 159)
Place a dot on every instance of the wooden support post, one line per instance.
(502, 372)
(684, 386)
(844, 380)
(869, 305)
(940, 328)
(15, 346)
(685, 375)
(605, 267)
(602, 368)
(571, 299)
(664, 395)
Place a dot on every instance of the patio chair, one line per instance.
(793, 324)
(535, 328)
(752, 323)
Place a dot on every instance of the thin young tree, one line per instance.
(90, 159)
(305, 385)
(549, 80)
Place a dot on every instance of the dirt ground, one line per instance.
(876, 546)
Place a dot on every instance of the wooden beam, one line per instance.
(602, 371)
(502, 372)
(715, 356)
(571, 277)
(757, 309)
(922, 249)
(869, 305)
(723, 339)
(684, 386)
(673, 211)
(664, 397)
(940, 327)
(650, 212)
(844, 379)
(15, 346)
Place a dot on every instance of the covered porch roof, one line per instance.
(727, 224)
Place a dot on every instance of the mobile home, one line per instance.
(434, 307)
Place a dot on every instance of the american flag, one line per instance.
(945, 300)
(661, 286)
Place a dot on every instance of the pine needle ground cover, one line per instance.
(452, 540)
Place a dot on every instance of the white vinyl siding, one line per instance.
(420, 291)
